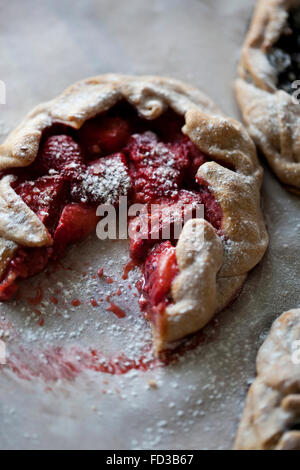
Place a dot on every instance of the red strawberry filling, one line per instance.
(77, 221)
(72, 175)
(26, 263)
(163, 221)
(46, 196)
(59, 154)
(157, 169)
(159, 271)
(104, 135)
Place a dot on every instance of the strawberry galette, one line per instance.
(268, 88)
(156, 141)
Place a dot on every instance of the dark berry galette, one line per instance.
(161, 144)
(268, 87)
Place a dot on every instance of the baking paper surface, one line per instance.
(60, 392)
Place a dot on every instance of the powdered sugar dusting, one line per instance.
(113, 183)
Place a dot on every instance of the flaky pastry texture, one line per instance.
(212, 268)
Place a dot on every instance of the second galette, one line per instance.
(271, 420)
(268, 87)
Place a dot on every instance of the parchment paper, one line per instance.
(51, 397)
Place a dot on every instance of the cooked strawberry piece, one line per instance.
(159, 271)
(60, 153)
(104, 135)
(157, 168)
(99, 167)
(46, 197)
(77, 221)
(104, 181)
(25, 263)
(163, 221)
(8, 287)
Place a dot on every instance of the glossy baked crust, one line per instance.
(271, 419)
(272, 116)
(210, 273)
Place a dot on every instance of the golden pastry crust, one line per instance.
(212, 272)
(272, 408)
(272, 116)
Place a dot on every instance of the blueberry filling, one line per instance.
(285, 54)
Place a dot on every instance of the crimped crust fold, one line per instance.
(18, 223)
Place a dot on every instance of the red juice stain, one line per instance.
(39, 314)
(119, 292)
(100, 272)
(54, 300)
(94, 302)
(109, 280)
(37, 299)
(120, 364)
(84, 273)
(60, 363)
(130, 266)
(116, 310)
(139, 285)
(76, 302)
(107, 298)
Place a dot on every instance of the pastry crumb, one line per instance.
(152, 383)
